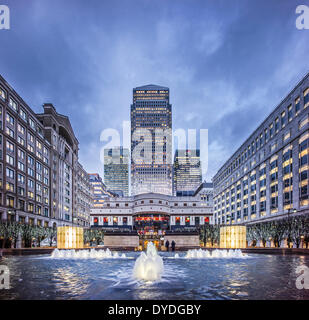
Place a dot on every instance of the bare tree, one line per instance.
(278, 231)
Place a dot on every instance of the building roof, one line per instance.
(151, 87)
(206, 185)
(63, 122)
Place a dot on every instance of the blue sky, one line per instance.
(227, 63)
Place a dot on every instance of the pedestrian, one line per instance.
(167, 244)
(173, 245)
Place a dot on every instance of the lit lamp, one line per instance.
(233, 237)
(70, 237)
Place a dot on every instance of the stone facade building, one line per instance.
(64, 163)
(84, 197)
(153, 213)
(41, 181)
(267, 177)
(25, 160)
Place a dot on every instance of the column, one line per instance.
(268, 188)
(295, 156)
(280, 184)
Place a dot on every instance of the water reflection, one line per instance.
(260, 277)
(68, 282)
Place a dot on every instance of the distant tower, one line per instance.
(116, 170)
(187, 171)
(151, 112)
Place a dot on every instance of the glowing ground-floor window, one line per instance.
(151, 223)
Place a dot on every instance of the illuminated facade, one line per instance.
(84, 197)
(39, 169)
(187, 171)
(64, 164)
(69, 237)
(25, 168)
(116, 170)
(151, 128)
(233, 237)
(153, 214)
(100, 192)
(267, 177)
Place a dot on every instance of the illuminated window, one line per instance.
(306, 98)
(290, 113)
(2, 93)
(304, 122)
(12, 104)
(297, 105)
(283, 119)
(187, 220)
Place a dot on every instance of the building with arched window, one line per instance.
(152, 214)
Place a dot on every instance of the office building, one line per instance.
(84, 197)
(187, 172)
(64, 161)
(151, 141)
(25, 156)
(267, 177)
(39, 169)
(116, 170)
(100, 192)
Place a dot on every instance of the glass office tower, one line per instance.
(187, 172)
(151, 140)
(116, 170)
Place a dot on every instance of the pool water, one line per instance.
(254, 277)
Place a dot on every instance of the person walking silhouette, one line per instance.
(173, 245)
(167, 244)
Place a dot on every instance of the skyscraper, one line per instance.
(187, 171)
(116, 170)
(151, 140)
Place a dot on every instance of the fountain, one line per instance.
(149, 266)
(86, 254)
(202, 254)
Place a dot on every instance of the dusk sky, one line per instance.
(228, 64)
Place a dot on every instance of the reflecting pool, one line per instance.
(184, 277)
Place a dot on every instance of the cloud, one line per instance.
(227, 64)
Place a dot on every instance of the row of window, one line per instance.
(268, 133)
(21, 205)
(287, 176)
(22, 113)
(115, 221)
(10, 147)
(41, 150)
(152, 202)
